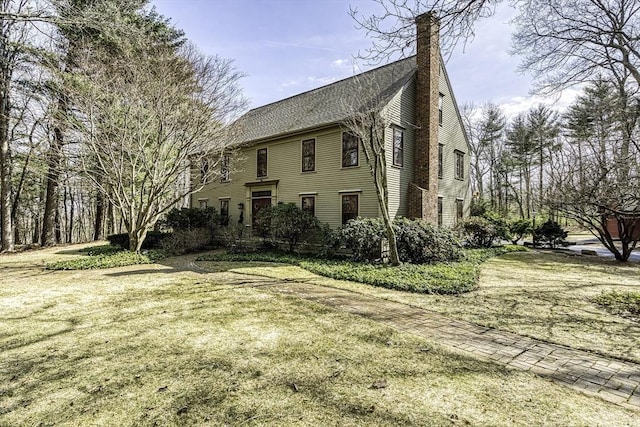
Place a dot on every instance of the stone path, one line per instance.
(613, 380)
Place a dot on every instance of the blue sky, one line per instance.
(286, 47)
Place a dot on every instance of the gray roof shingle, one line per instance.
(321, 106)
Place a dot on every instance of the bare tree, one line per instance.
(145, 116)
(366, 121)
(393, 29)
(568, 42)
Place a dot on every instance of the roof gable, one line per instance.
(319, 107)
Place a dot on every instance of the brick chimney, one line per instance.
(423, 191)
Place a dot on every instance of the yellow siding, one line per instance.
(400, 111)
(453, 138)
(284, 164)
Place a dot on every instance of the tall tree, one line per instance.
(146, 113)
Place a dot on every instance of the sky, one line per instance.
(286, 47)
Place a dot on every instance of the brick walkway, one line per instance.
(612, 380)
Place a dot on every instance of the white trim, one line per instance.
(308, 193)
(224, 197)
(203, 199)
(356, 190)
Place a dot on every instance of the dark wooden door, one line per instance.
(256, 206)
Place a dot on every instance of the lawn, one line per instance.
(545, 295)
(157, 345)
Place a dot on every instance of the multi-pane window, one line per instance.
(440, 161)
(309, 205)
(459, 165)
(349, 150)
(224, 212)
(440, 210)
(349, 207)
(459, 209)
(308, 155)
(225, 164)
(261, 163)
(202, 204)
(398, 147)
(204, 170)
(440, 108)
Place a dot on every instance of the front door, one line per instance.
(259, 200)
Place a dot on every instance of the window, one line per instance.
(308, 155)
(224, 212)
(439, 210)
(309, 204)
(440, 108)
(204, 170)
(398, 147)
(261, 163)
(349, 150)
(224, 168)
(459, 209)
(349, 207)
(202, 204)
(459, 165)
(440, 161)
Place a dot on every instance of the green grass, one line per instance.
(441, 278)
(106, 256)
(156, 345)
(626, 304)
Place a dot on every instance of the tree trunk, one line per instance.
(7, 241)
(98, 230)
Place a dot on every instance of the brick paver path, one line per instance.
(613, 380)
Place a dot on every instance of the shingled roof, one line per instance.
(322, 106)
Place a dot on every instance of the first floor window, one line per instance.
(459, 209)
(309, 205)
(224, 212)
(308, 155)
(459, 165)
(224, 168)
(349, 150)
(440, 210)
(398, 147)
(261, 163)
(202, 204)
(349, 207)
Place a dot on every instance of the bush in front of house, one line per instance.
(550, 232)
(418, 241)
(288, 223)
(363, 237)
(191, 229)
(153, 240)
(422, 243)
(477, 232)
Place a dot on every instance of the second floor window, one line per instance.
(440, 160)
(204, 170)
(459, 165)
(440, 109)
(308, 155)
(261, 163)
(224, 168)
(398, 147)
(349, 150)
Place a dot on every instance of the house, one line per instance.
(298, 149)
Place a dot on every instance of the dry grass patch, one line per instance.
(545, 295)
(153, 345)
